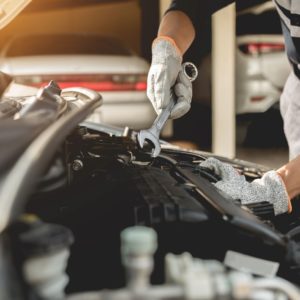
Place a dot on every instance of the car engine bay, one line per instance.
(70, 187)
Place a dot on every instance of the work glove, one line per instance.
(269, 188)
(165, 73)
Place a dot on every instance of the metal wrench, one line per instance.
(152, 134)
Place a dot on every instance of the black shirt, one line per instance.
(200, 11)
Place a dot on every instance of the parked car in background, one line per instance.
(84, 60)
(262, 68)
(261, 63)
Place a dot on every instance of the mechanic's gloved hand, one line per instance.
(269, 188)
(165, 73)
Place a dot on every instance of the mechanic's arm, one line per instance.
(178, 26)
(175, 35)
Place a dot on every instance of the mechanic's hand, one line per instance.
(165, 73)
(269, 188)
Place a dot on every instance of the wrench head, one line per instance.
(144, 135)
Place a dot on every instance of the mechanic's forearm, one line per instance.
(290, 174)
(178, 26)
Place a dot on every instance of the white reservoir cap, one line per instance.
(138, 240)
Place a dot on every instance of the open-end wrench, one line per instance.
(152, 134)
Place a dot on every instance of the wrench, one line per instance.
(152, 134)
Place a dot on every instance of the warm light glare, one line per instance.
(101, 83)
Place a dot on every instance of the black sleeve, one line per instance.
(198, 10)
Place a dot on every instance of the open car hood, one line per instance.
(10, 9)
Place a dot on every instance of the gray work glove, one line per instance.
(165, 73)
(269, 188)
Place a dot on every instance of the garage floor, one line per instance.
(271, 157)
(260, 137)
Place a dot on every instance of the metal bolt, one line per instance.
(77, 165)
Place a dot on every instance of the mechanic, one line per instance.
(178, 29)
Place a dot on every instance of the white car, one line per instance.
(84, 60)
(261, 63)
(262, 66)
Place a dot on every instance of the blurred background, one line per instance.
(106, 45)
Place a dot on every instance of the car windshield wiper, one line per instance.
(48, 99)
(28, 122)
